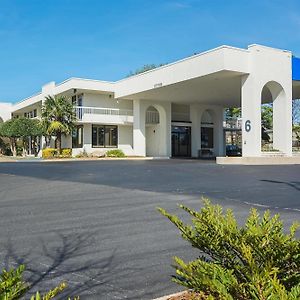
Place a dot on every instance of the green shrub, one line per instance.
(49, 153)
(4, 147)
(13, 287)
(115, 153)
(257, 261)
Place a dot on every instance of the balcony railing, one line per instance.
(111, 115)
(84, 110)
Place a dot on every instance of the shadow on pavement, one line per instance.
(63, 264)
(293, 184)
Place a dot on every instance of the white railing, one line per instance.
(84, 110)
(152, 117)
(84, 113)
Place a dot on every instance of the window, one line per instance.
(207, 137)
(77, 137)
(105, 136)
(77, 100)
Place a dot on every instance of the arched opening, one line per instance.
(273, 129)
(155, 131)
(207, 134)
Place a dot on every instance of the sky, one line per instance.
(52, 40)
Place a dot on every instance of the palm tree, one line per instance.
(58, 116)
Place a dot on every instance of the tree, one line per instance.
(7, 129)
(231, 116)
(144, 69)
(296, 112)
(267, 116)
(23, 129)
(58, 117)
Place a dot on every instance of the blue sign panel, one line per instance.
(296, 68)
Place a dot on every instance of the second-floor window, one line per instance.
(31, 114)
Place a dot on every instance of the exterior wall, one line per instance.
(105, 101)
(125, 136)
(27, 109)
(180, 112)
(5, 111)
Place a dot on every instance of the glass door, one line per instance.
(181, 141)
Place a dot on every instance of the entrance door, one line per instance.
(181, 141)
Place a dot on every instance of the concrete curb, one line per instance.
(172, 295)
(36, 160)
(259, 161)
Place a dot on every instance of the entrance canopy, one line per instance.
(213, 77)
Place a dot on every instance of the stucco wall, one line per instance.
(103, 100)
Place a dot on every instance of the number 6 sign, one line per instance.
(248, 126)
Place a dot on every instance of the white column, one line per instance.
(251, 117)
(195, 116)
(218, 132)
(166, 125)
(282, 123)
(139, 140)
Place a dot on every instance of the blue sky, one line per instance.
(45, 40)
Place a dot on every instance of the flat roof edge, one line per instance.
(84, 79)
(270, 48)
(185, 59)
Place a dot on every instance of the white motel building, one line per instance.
(178, 109)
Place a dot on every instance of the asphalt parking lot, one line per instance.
(94, 224)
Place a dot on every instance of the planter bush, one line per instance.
(66, 153)
(115, 153)
(49, 153)
(257, 261)
(53, 153)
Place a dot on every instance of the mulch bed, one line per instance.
(187, 296)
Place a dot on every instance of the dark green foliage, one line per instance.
(4, 147)
(267, 116)
(21, 129)
(115, 153)
(58, 117)
(257, 261)
(13, 287)
(144, 69)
